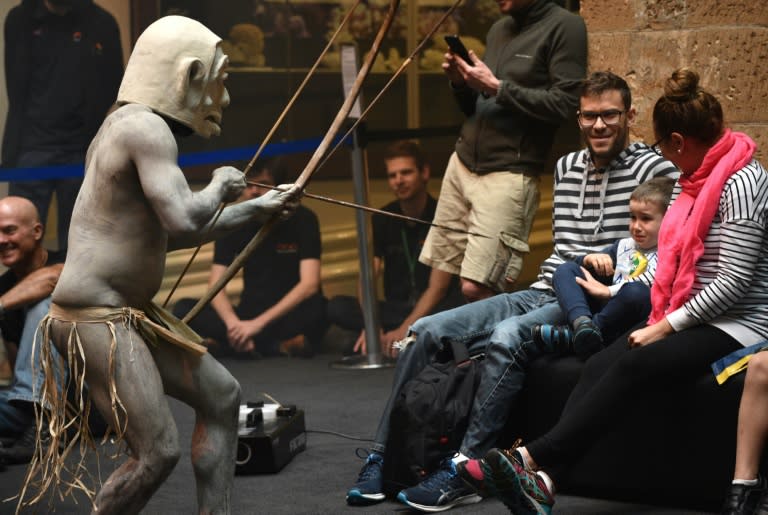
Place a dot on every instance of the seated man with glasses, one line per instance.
(591, 199)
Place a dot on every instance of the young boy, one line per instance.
(601, 308)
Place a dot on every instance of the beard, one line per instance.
(617, 145)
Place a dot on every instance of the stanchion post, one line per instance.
(373, 357)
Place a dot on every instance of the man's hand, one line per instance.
(389, 338)
(478, 77)
(451, 69)
(232, 182)
(241, 332)
(592, 286)
(650, 334)
(361, 345)
(600, 263)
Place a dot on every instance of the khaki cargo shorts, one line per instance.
(500, 205)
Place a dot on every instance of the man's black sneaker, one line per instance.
(743, 499)
(369, 488)
(441, 491)
(22, 450)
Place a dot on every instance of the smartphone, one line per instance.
(458, 48)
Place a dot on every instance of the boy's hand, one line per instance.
(601, 264)
(592, 286)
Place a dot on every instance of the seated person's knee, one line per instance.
(473, 290)
(758, 368)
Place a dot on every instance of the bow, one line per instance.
(266, 140)
(310, 168)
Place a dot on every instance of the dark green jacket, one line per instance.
(540, 56)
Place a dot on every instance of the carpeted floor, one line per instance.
(334, 401)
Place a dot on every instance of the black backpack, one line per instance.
(429, 418)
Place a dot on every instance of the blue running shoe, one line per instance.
(521, 490)
(552, 338)
(441, 491)
(369, 488)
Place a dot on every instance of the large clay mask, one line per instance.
(178, 68)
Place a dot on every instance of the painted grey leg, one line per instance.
(204, 384)
(151, 433)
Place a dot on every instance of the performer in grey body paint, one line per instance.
(134, 206)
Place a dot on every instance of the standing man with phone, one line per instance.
(514, 99)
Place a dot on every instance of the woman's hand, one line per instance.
(650, 334)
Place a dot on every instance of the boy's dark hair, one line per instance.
(657, 190)
(600, 82)
(405, 148)
(273, 166)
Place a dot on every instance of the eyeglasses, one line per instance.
(611, 117)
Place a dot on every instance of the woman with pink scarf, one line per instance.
(708, 299)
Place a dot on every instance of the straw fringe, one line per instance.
(67, 418)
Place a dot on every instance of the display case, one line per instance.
(272, 44)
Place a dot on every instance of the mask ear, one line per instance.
(191, 85)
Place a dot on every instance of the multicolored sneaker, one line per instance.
(521, 490)
(552, 338)
(440, 491)
(369, 488)
(471, 472)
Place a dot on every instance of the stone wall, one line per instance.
(725, 41)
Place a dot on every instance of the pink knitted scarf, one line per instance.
(687, 222)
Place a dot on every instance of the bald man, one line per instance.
(25, 296)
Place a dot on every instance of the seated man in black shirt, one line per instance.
(411, 290)
(281, 308)
(25, 296)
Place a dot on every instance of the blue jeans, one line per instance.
(26, 381)
(500, 326)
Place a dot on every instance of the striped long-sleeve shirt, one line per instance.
(591, 205)
(730, 290)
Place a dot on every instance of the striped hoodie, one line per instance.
(591, 205)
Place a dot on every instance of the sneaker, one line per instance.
(521, 490)
(369, 488)
(22, 450)
(471, 472)
(762, 504)
(553, 338)
(441, 491)
(587, 338)
(743, 499)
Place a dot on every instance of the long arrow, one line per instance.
(374, 210)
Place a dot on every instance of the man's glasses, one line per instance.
(611, 117)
